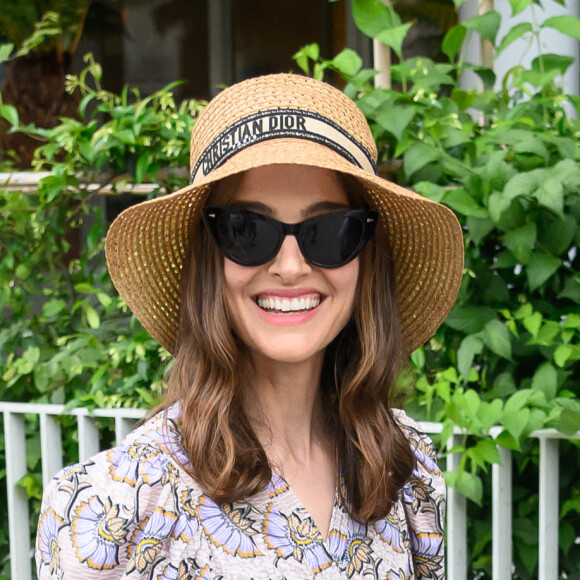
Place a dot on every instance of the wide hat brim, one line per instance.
(147, 244)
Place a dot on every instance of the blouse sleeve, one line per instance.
(109, 515)
(82, 526)
(424, 504)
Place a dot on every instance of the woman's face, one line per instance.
(258, 297)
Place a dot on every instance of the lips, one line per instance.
(277, 304)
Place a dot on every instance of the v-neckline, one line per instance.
(282, 489)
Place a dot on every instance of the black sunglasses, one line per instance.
(329, 240)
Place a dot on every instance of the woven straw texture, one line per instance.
(147, 243)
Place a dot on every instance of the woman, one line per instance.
(289, 282)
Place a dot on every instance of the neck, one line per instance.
(284, 405)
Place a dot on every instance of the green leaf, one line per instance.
(5, 51)
(394, 37)
(470, 319)
(520, 242)
(462, 98)
(486, 24)
(550, 194)
(552, 62)
(348, 62)
(53, 307)
(533, 323)
(521, 184)
(418, 156)
(141, 167)
(519, 5)
(486, 449)
(568, 25)
(566, 537)
(93, 319)
(372, 17)
(469, 347)
(479, 228)
(556, 234)
(540, 268)
(497, 337)
(430, 190)
(10, 113)
(452, 41)
(513, 34)
(571, 290)
(85, 288)
(546, 379)
(562, 354)
(516, 422)
(459, 200)
(497, 204)
(569, 421)
(395, 119)
(471, 486)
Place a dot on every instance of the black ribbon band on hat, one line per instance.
(277, 124)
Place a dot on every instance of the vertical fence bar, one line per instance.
(501, 484)
(50, 447)
(123, 427)
(456, 522)
(18, 518)
(549, 512)
(88, 437)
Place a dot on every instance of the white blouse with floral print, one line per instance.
(134, 512)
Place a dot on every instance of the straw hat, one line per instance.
(273, 119)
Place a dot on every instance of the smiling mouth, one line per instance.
(279, 305)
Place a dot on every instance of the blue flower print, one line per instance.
(427, 554)
(424, 452)
(336, 545)
(400, 575)
(359, 548)
(47, 541)
(228, 528)
(97, 532)
(150, 456)
(187, 522)
(418, 493)
(148, 539)
(389, 530)
(170, 572)
(277, 486)
(127, 461)
(295, 537)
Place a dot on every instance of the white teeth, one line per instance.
(287, 305)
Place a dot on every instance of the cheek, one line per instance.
(236, 283)
(346, 280)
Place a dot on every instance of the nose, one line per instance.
(289, 263)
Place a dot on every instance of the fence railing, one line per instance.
(124, 419)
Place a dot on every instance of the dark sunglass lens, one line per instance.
(332, 239)
(245, 238)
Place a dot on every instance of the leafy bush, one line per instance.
(66, 336)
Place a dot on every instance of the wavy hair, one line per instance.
(359, 372)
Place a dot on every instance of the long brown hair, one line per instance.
(358, 379)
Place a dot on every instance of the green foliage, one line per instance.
(66, 336)
(507, 163)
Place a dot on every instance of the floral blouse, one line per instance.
(134, 512)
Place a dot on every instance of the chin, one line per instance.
(288, 352)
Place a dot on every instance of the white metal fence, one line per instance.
(124, 419)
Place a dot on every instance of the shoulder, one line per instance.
(420, 443)
(423, 500)
(93, 511)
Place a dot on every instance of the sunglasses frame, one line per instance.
(368, 218)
